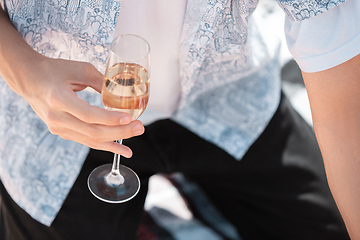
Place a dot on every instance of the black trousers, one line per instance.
(277, 191)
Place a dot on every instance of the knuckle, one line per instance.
(54, 124)
(94, 135)
(51, 119)
(54, 99)
(56, 130)
(65, 136)
(127, 134)
(112, 119)
(91, 73)
(87, 68)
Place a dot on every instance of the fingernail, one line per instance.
(124, 119)
(138, 129)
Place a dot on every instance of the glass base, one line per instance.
(113, 193)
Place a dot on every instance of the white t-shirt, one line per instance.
(165, 19)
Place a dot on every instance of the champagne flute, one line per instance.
(125, 89)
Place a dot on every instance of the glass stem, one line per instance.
(114, 178)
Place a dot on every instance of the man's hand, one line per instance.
(51, 92)
(49, 86)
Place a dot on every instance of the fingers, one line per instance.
(95, 135)
(110, 146)
(69, 102)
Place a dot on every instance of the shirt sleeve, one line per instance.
(322, 41)
(298, 10)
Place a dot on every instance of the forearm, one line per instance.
(334, 97)
(16, 56)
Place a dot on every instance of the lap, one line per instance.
(277, 191)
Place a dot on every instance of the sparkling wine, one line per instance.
(126, 89)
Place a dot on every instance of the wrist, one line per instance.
(23, 73)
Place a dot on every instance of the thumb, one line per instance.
(89, 77)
